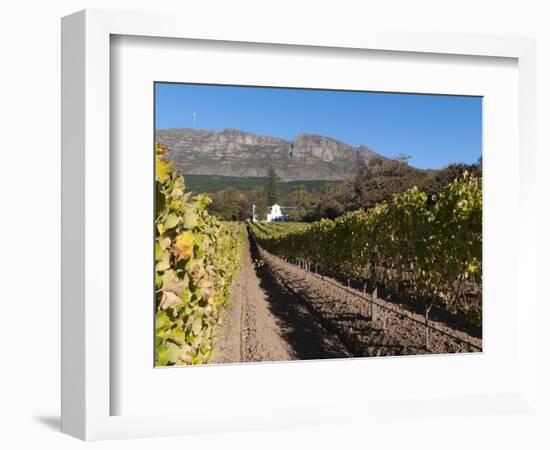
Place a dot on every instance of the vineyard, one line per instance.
(227, 292)
(270, 230)
(427, 251)
(197, 260)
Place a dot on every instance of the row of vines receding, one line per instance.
(197, 258)
(428, 250)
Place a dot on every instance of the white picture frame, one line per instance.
(87, 177)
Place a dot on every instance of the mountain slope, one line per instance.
(241, 154)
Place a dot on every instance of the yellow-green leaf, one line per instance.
(184, 245)
(171, 221)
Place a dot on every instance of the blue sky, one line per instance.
(434, 130)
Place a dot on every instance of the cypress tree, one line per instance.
(272, 186)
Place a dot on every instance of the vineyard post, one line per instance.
(365, 291)
(374, 297)
(428, 306)
(427, 331)
(388, 298)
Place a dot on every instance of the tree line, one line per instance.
(376, 180)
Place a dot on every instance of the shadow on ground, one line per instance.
(307, 314)
(51, 422)
(306, 336)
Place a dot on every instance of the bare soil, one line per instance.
(278, 312)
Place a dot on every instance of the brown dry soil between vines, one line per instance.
(279, 313)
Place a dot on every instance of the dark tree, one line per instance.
(257, 197)
(299, 197)
(230, 204)
(440, 179)
(272, 187)
(302, 201)
(333, 200)
(378, 179)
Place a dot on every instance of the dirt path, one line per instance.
(279, 313)
(266, 322)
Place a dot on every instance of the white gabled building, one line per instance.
(277, 214)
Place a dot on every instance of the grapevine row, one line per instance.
(428, 250)
(197, 260)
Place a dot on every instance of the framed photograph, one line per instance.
(269, 229)
(315, 248)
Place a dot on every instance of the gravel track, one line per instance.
(266, 322)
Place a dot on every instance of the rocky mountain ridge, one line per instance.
(238, 153)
